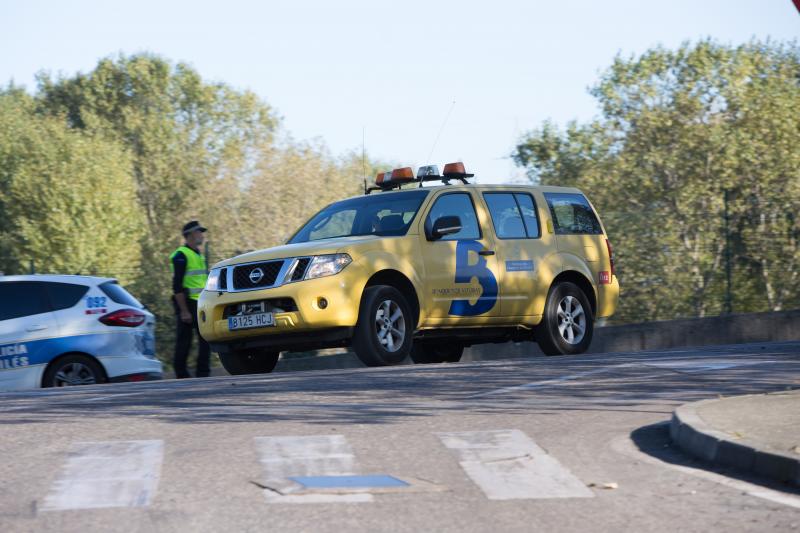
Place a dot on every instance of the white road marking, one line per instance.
(507, 464)
(318, 455)
(546, 383)
(682, 364)
(625, 446)
(107, 474)
(703, 365)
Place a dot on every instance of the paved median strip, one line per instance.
(507, 464)
(107, 474)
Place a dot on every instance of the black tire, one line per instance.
(249, 362)
(426, 352)
(370, 329)
(74, 369)
(549, 332)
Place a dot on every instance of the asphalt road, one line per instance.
(567, 444)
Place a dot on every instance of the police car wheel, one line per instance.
(568, 324)
(436, 352)
(385, 327)
(73, 370)
(250, 362)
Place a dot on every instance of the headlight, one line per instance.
(327, 265)
(212, 283)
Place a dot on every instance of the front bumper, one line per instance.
(341, 291)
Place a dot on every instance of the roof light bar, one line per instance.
(393, 179)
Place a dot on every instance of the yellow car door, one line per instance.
(461, 265)
(522, 251)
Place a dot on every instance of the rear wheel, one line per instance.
(385, 327)
(424, 352)
(249, 362)
(568, 324)
(72, 370)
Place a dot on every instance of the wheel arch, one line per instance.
(573, 276)
(399, 281)
(54, 360)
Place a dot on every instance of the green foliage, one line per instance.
(68, 198)
(679, 129)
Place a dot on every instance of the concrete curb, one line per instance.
(694, 436)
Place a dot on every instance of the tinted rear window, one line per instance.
(572, 214)
(117, 294)
(65, 295)
(22, 298)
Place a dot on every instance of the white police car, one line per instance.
(72, 330)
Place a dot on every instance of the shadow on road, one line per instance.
(654, 440)
(537, 385)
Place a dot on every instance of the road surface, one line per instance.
(563, 443)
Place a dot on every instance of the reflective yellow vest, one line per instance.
(196, 271)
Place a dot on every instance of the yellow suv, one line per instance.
(420, 272)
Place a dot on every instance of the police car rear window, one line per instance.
(65, 295)
(119, 295)
(22, 298)
(572, 214)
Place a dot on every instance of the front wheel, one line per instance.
(249, 362)
(568, 324)
(385, 327)
(425, 352)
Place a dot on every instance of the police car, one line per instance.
(72, 330)
(420, 272)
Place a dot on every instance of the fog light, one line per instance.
(322, 303)
(203, 316)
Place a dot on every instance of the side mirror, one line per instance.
(446, 225)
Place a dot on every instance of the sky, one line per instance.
(422, 82)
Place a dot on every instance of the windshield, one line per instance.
(379, 214)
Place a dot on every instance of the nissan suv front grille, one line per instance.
(256, 275)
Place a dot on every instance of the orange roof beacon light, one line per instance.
(392, 179)
(455, 171)
(402, 175)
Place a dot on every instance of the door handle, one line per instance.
(486, 252)
(36, 327)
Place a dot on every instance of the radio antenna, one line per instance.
(441, 129)
(364, 151)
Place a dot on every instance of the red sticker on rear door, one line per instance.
(605, 277)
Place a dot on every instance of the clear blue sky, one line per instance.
(394, 68)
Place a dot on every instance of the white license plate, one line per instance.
(258, 320)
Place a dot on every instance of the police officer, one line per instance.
(189, 273)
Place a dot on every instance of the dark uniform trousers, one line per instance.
(183, 344)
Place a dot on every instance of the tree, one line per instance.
(681, 131)
(68, 197)
(183, 134)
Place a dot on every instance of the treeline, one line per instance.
(99, 171)
(694, 164)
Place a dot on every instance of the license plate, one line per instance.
(258, 320)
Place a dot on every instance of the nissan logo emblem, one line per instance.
(255, 275)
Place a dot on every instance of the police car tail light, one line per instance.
(124, 317)
(402, 175)
(611, 257)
